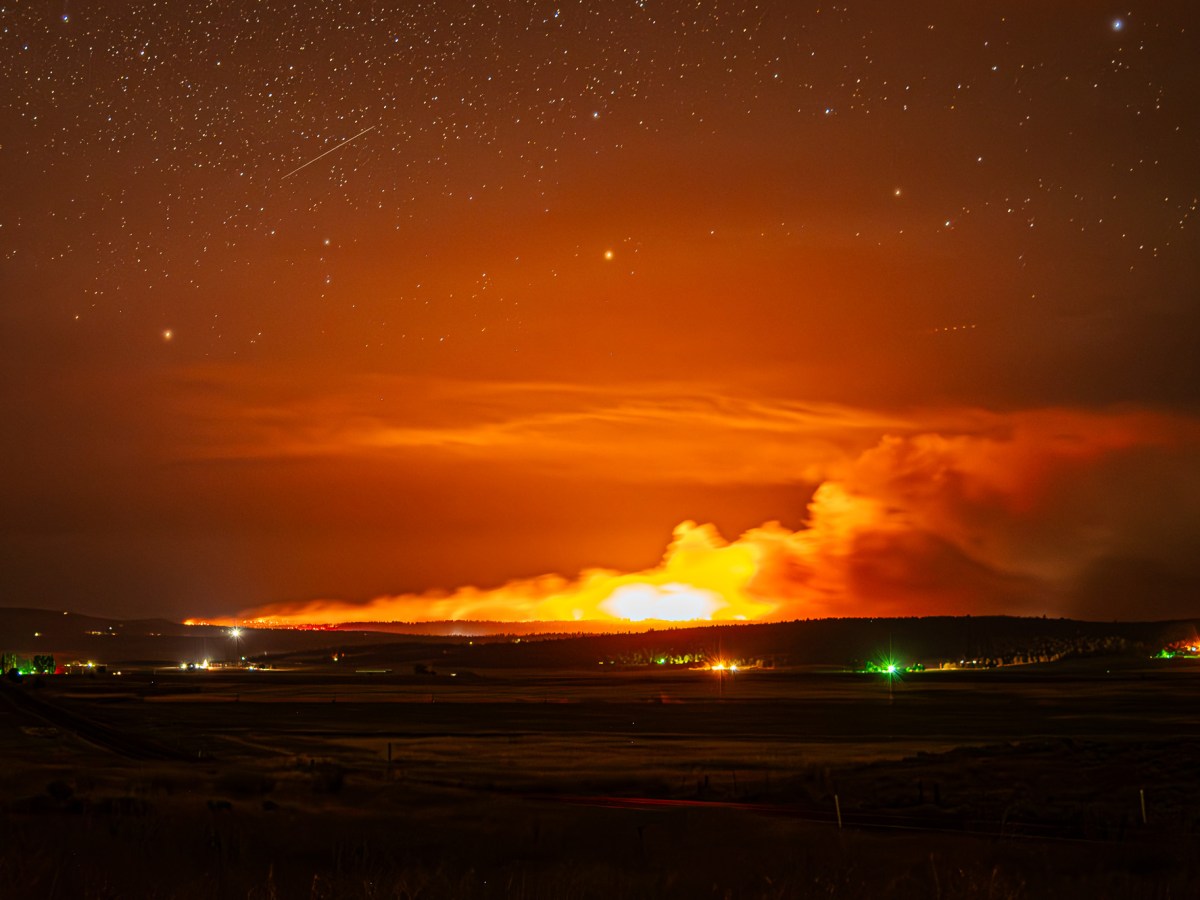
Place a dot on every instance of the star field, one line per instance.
(330, 204)
(158, 136)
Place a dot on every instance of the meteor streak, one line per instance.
(327, 152)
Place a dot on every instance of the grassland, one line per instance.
(1022, 782)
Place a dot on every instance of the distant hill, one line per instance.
(841, 642)
(487, 628)
(70, 636)
(836, 642)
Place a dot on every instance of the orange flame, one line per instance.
(770, 572)
(702, 578)
(995, 520)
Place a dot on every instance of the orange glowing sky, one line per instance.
(990, 513)
(643, 312)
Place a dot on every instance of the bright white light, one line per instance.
(667, 602)
(1118, 24)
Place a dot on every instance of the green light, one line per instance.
(889, 667)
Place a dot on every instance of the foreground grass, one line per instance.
(294, 799)
(179, 845)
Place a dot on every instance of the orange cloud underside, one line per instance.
(1005, 513)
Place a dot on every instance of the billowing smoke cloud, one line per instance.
(1052, 511)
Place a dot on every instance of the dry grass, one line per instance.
(287, 797)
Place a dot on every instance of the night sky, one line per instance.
(428, 308)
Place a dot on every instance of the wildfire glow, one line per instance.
(667, 603)
(769, 572)
(919, 524)
(702, 578)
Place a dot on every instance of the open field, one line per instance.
(1022, 782)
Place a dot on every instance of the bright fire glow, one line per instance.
(702, 577)
(665, 603)
(922, 523)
